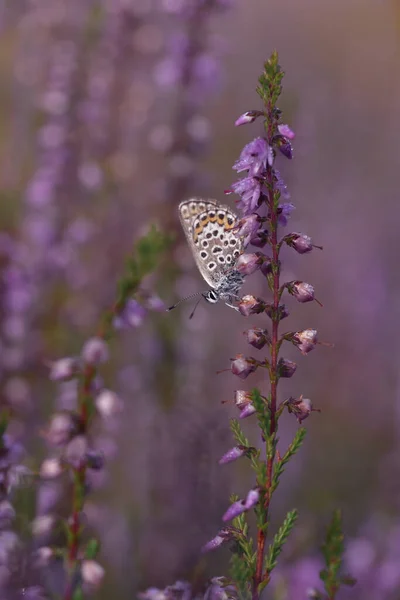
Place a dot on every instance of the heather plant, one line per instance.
(265, 210)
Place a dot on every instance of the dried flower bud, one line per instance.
(303, 292)
(300, 407)
(235, 509)
(300, 242)
(224, 535)
(244, 403)
(51, 468)
(108, 404)
(92, 573)
(250, 305)
(63, 427)
(242, 366)
(248, 117)
(305, 340)
(286, 131)
(233, 454)
(64, 369)
(95, 351)
(258, 337)
(247, 264)
(75, 452)
(252, 498)
(286, 368)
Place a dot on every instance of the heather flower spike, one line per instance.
(265, 209)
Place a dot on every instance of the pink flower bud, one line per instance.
(300, 407)
(250, 305)
(303, 292)
(286, 131)
(247, 264)
(51, 468)
(95, 351)
(64, 369)
(266, 268)
(305, 340)
(247, 227)
(257, 337)
(232, 455)
(108, 404)
(242, 367)
(248, 117)
(284, 146)
(75, 452)
(92, 573)
(286, 368)
(224, 535)
(260, 239)
(300, 242)
(62, 428)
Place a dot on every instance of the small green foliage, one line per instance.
(291, 451)
(279, 540)
(262, 408)
(78, 594)
(333, 549)
(241, 576)
(4, 420)
(238, 434)
(92, 548)
(270, 82)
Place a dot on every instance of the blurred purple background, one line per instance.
(112, 112)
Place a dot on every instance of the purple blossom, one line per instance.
(248, 117)
(253, 158)
(284, 212)
(249, 188)
(286, 131)
(132, 315)
(232, 455)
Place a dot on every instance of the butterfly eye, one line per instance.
(212, 297)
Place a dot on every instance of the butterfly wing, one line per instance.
(208, 228)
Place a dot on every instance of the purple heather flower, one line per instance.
(132, 315)
(286, 131)
(242, 367)
(247, 264)
(250, 305)
(232, 454)
(257, 337)
(305, 340)
(92, 573)
(247, 228)
(302, 291)
(95, 351)
(75, 452)
(260, 238)
(253, 158)
(252, 498)
(244, 404)
(284, 212)
(248, 117)
(62, 428)
(222, 536)
(108, 404)
(51, 468)
(249, 188)
(286, 368)
(64, 369)
(284, 146)
(235, 509)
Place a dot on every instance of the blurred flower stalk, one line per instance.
(264, 213)
(70, 433)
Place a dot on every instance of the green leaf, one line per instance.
(279, 540)
(238, 433)
(263, 414)
(333, 550)
(241, 576)
(92, 548)
(291, 451)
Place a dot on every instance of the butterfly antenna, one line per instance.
(194, 310)
(184, 299)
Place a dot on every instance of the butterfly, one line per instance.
(209, 230)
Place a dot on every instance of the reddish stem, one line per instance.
(260, 576)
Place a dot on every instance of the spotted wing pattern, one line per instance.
(208, 227)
